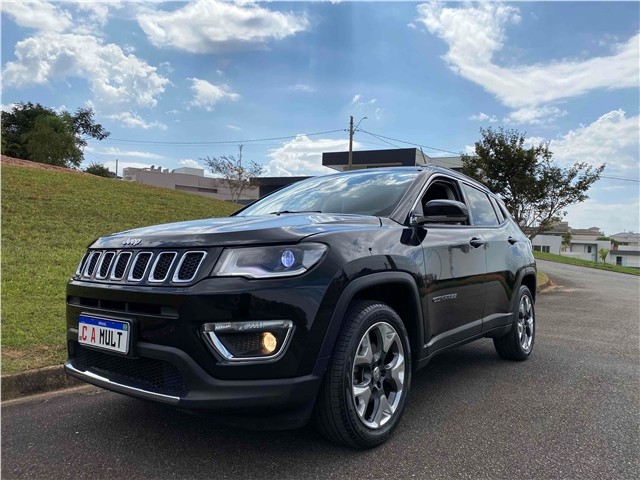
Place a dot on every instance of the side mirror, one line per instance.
(442, 211)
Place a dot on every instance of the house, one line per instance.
(551, 240)
(585, 243)
(625, 250)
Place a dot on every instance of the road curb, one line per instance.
(32, 382)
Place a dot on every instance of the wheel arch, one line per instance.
(396, 289)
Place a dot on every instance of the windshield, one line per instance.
(365, 193)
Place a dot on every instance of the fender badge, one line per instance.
(451, 296)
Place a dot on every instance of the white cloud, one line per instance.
(38, 14)
(301, 87)
(206, 95)
(98, 10)
(612, 139)
(535, 115)
(233, 127)
(483, 117)
(189, 162)
(115, 78)
(116, 152)
(611, 217)
(356, 99)
(475, 32)
(211, 26)
(132, 120)
(303, 156)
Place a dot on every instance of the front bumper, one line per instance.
(170, 362)
(288, 400)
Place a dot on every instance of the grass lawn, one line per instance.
(48, 219)
(585, 263)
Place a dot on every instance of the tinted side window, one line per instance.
(496, 207)
(482, 212)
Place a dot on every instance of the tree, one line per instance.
(27, 122)
(235, 175)
(535, 190)
(566, 240)
(98, 169)
(51, 141)
(603, 252)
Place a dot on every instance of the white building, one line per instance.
(186, 180)
(626, 250)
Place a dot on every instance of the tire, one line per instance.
(364, 391)
(518, 343)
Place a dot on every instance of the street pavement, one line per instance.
(571, 411)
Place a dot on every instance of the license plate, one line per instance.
(103, 333)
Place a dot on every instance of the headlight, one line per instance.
(269, 262)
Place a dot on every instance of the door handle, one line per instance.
(512, 240)
(475, 242)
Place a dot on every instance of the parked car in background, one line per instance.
(317, 301)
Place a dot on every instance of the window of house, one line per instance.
(546, 249)
(536, 248)
(619, 261)
(589, 249)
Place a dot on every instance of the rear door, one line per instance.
(501, 262)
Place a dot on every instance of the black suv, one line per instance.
(319, 300)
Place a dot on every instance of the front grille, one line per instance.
(150, 374)
(135, 266)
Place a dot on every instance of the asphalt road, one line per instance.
(570, 411)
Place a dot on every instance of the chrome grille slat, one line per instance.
(121, 264)
(91, 263)
(162, 266)
(105, 265)
(188, 266)
(139, 266)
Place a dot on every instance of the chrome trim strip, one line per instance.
(81, 265)
(218, 346)
(133, 266)
(175, 278)
(152, 275)
(119, 387)
(86, 267)
(116, 260)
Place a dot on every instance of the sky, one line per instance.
(176, 82)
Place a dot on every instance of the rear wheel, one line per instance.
(518, 343)
(364, 392)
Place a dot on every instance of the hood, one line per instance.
(283, 228)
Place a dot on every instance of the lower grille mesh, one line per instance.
(150, 374)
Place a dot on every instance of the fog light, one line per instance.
(269, 342)
(249, 341)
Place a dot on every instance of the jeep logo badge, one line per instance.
(132, 241)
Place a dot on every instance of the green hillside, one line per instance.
(48, 219)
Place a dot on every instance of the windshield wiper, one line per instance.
(294, 211)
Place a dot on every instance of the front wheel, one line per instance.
(365, 390)
(518, 343)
